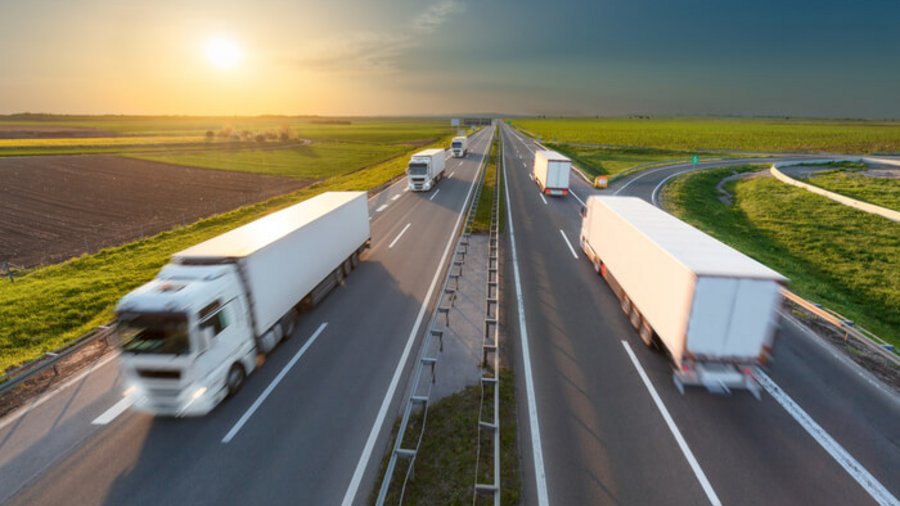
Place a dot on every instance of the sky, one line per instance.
(824, 58)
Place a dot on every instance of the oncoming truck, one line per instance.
(459, 146)
(191, 335)
(425, 169)
(711, 309)
(551, 172)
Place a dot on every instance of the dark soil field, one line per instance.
(49, 132)
(56, 207)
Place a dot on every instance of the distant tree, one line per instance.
(210, 135)
(246, 135)
(260, 138)
(271, 136)
(285, 134)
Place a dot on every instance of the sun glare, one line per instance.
(223, 53)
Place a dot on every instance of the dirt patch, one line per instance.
(724, 195)
(56, 207)
(50, 132)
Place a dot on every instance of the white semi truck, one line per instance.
(460, 146)
(551, 172)
(712, 309)
(191, 335)
(425, 169)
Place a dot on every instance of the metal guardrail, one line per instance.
(850, 328)
(420, 393)
(51, 360)
(490, 349)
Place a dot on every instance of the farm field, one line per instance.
(54, 208)
(881, 191)
(702, 134)
(313, 161)
(614, 161)
(833, 254)
(52, 305)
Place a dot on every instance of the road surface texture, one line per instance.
(612, 428)
(309, 427)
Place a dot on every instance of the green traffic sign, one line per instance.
(695, 159)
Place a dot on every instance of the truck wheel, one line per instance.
(635, 317)
(347, 267)
(235, 379)
(339, 274)
(289, 323)
(626, 305)
(596, 263)
(354, 260)
(646, 333)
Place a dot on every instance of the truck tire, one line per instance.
(289, 323)
(354, 260)
(339, 274)
(596, 263)
(635, 317)
(626, 305)
(347, 266)
(646, 333)
(235, 378)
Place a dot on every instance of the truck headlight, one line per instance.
(198, 393)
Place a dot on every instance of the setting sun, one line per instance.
(223, 52)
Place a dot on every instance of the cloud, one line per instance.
(436, 15)
(375, 53)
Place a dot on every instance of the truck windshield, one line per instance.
(457, 144)
(418, 169)
(154, 333)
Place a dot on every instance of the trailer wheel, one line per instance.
(235, 378)
(289, 323)
(339, 274)
(646, 333)
(347, 267)
(596, 263)
(626, 304)
(635, 317)
(354, 260)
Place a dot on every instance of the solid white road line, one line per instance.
(576, 197)
(868, 482)
(655, 194)
(540, 476)
(391, 245)
(113, 412)
(639, 176)
(395, 197)
(366, 455)
(287, 368)
(382, 207)
(542, 198)
(406, 189)
(688, 454)
(451, 174)
(433, 195)
(568, 244)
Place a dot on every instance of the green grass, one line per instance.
(445, 465)
(754, 135)
(883, 192)
(314, 161)
(597, 161)
(842, 258)
(50, 306)
(482, 222)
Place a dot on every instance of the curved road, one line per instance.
(603, 436)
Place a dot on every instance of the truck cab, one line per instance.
(425, 169)
(185, 339)
(459, 146)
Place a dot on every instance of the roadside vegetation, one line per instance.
(482, 223)
(50, 306)
(838, 256)
(597, 160)
(705, 134)
(444, 471)
(881, 191)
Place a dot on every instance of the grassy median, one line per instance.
(881, 191)
(835, 255)
(482, 223)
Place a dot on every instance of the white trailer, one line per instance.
(551, 172)
(459, 146)
(425, 169)
(712, 309)
(191, 335)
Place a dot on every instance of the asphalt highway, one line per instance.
(309, 427)
(607, 423)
